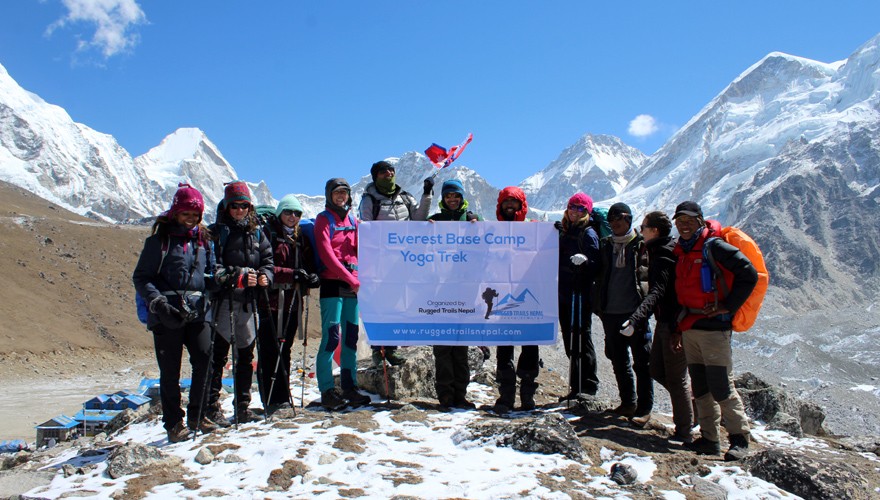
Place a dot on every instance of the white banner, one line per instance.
(458, 283)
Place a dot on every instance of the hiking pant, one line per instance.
(452, 373)
(241, 323)
(270, 339)
(710, 363)
(576, 323)
(339, 324)
(638, 390)
(169, 343)
(526, 369)
(669, 369)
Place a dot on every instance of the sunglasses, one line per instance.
(617, 217)
(577, 208)
(643, 227)
(288, 213)
(239, 206)
(383, 170)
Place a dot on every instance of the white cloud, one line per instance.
(114, 21)
(643, 126)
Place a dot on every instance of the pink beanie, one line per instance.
(582, 200)
(187, 198)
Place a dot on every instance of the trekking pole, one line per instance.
(580, 352)
(305, 338)
(281, 342)
(385, 375)
(571, 358)
(208, 370)
(234, 349)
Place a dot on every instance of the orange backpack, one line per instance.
(747, 314)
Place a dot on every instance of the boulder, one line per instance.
(547, 434)
(763, 402)
(133, 457)
(808, 476)
(413, 379)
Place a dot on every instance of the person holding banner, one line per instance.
(294, 273)
(623, 285)
(383, 199)
(451, 362)
(336, 239)
(512, 206)
(578, 266)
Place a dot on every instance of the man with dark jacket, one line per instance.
(451, 361)
(512, 206)
(706, 327)
(623, 285)
(384, 200)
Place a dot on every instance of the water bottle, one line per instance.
(706, 278)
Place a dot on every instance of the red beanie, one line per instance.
(583, 200)
(187, 198)
(236, 191)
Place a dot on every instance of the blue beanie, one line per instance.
(452, 186)
(289, 202)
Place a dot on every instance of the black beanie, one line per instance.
(379, 164)
(619, 209)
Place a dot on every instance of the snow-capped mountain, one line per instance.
(790, 151)
(599, 165)
(44, 151)
(187, 155)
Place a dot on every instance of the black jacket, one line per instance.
(660, 300)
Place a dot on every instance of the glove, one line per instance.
(314, 281)
(626, 329)
(558, 225)
(300, 276)
(578, 259)
(226, 277)
(429, 186)
(168, 315)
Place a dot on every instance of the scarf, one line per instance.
(386, 186)
(688, 245)
(620, 243)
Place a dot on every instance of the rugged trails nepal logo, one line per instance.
(522, 305)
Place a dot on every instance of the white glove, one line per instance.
(626, 329)
(578, 259)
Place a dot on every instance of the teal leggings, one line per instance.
(339, 321)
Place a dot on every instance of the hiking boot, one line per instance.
(528, 405)
(568, 397)
(283, 410)
(739, 447)
(178, 433)
(486, 353)
(703, 446)
(245, 415)
(501, 408)
(394, 359)
(215, 414)
(332, 400)
(204, 426)
(623, 410)
(464, 404)
(640, 420)
(356, 398)
(682, 436)
(377, 359)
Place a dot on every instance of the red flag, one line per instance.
(441, 157)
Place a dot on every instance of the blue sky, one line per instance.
(296, 92)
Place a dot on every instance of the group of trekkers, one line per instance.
(258, 275)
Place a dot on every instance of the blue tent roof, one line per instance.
(96, 415)
(59, 422)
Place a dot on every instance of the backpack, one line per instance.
(307, 226)
(377, 205)
(599, 222)
(143, 309)
(747, 314)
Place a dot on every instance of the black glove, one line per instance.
(300, 276)
(429, 186)
(314, 281)
(227, 277)
(558, 225)
(168, 315)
